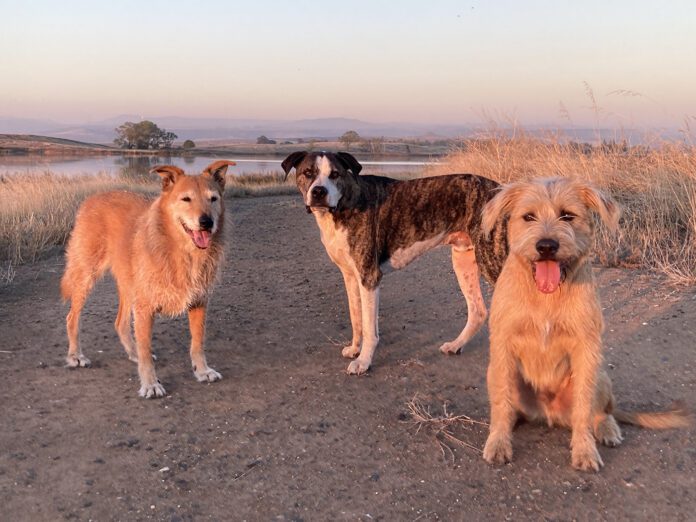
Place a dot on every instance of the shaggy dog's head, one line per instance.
(550, 224)
(194, 204)
(327, 181)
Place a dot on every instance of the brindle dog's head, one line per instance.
(194, 204)
(550, 225)
(326, 180)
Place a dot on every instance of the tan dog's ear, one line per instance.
(169, 175)
(217, 171)
(607, 208)
(500, 205)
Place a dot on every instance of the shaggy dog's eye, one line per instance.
(567, 216)
(186, 199)
(213, 198)
(529, 217)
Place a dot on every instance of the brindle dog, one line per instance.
(372, 224)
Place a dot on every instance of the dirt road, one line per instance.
(287, 435)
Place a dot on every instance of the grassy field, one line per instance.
(656, 187)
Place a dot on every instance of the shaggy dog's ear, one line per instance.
(217, 171)
(293, 160)
(349, 162)
(500, 205)
(607, 208)
(169, 175)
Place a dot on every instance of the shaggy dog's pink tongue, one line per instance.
(547, 275)
(201, 238)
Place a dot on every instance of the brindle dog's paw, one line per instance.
(77, 361)
(350, 352)
(207, 375)
(152, 391)
(498, 450)
(608, 432)
(451, 348)
(586, 458)
(357, 367)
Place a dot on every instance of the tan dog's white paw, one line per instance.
(207, 374)
(608, 432)
(586, 458)
(152, 391)
(450, 348)
(77, 361)
(357, 367)
(350, 352)
(134, 357)
(498, 450)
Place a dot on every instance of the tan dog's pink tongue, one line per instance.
(201, 238)
(547, 275)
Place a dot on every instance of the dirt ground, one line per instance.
(287, 435)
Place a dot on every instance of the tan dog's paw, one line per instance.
(357, 367)
(350, 352)
(77, 361)
(586, 458)
(498, 450)
(450, 348)
(608, 432)
(207, 374)
(152, 391)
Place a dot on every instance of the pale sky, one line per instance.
(408, 61)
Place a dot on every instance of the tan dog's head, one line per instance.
(550, 224)
(194, 204)
(327, 181)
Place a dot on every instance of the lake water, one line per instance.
(132, 166)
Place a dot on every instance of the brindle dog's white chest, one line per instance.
(335, 239)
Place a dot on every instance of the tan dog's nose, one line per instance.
(205, 222)
(547, 248)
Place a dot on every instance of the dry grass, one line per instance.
(37, 211)
(656, 187)
(442, 427)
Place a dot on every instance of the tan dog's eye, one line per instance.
(186, 199)
(213, 198)
(529, 217)
(567, 216)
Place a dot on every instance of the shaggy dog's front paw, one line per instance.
(77, 361)
(152, 391)
(586, 458)
(498, 450)
(350, 352)
(357, 367)
(451, 348)
(207, 374)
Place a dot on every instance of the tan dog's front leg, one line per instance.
(585, 361)
(369, 300)
(501, 379)
(201, 370)
(353, 290)
(150, 386)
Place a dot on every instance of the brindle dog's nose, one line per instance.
(205, 222)
(547, 248)
(319, 192)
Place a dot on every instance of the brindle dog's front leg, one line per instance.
(369, 299)
(584, 362)
(353, 290)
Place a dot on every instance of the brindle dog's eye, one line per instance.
(307, 173)
(333, 175)
(213, 198)
(567, 216)
(186, 199)
(529, 217)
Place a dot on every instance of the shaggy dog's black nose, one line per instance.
(319, 192)
(205, 222)
(547, 248)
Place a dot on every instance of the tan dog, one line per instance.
(164, 255)
(546, 322)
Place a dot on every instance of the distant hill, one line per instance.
(28, 143)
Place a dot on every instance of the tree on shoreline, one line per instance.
(143, 135)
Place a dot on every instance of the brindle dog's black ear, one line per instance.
(349, 162)
(293, 160)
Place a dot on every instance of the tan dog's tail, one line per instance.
(676, 417)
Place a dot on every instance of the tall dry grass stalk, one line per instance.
(37, 211)
(656, 187)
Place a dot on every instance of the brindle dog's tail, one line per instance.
(676, 417)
